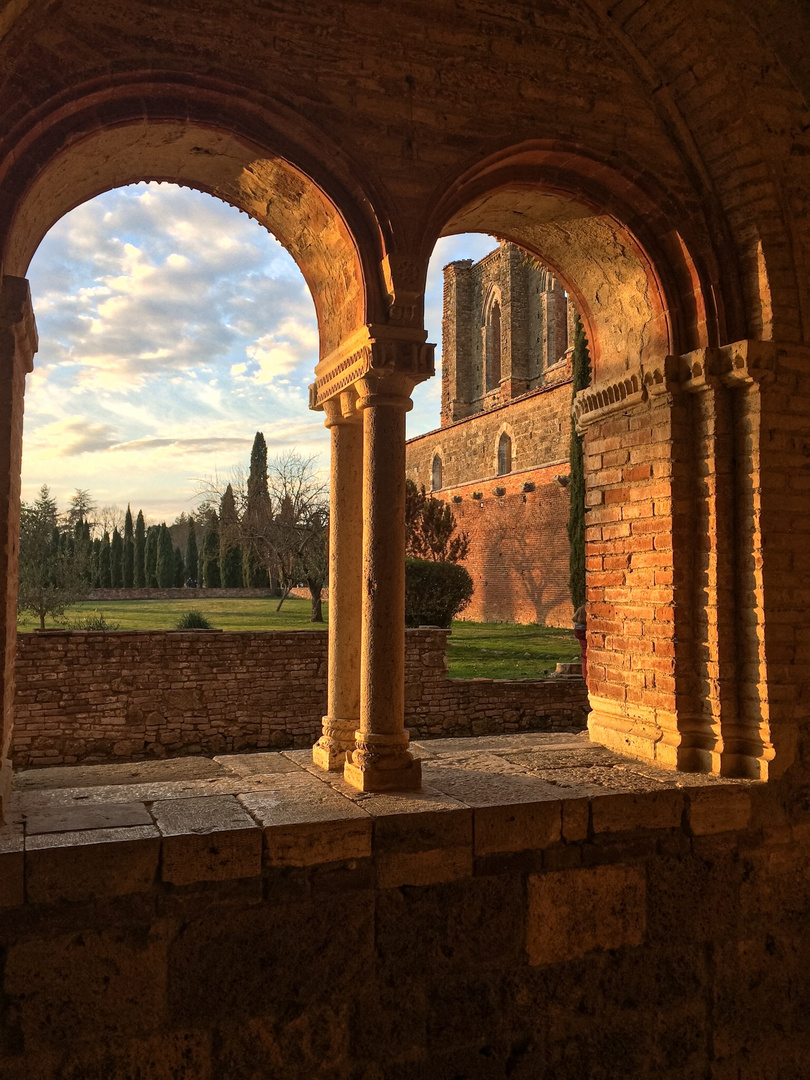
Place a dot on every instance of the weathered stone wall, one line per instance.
(539, 425)
(85, 696)
(518, 556)
(656, 936)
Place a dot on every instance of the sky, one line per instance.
(172, 327)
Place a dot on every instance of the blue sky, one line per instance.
(171, 329)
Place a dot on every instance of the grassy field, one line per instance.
(476, 650)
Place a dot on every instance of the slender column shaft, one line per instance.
(381, 760)
(345, 576)
(17, 346)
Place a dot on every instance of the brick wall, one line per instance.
(84, 696)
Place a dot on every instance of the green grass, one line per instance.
(508, 651)
(476, 650)
(222, 614)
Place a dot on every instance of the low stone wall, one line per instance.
(92, 697)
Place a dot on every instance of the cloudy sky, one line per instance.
(171, 329)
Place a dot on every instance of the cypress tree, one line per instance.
(139, 555)
(257, 509)
(104, 559)
(95, 564)
(179, 569)
(116, 560)
(128, 562)
(230, 554)
(210, 553)
(581, 363)
(164, 561)
(192, 555)
(150, 557)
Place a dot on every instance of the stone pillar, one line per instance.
(381, 760)
(345, 575)
(18, 343)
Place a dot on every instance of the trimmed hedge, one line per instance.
(435, 592)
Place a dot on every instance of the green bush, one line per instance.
(194, 620)
(435, 592)
(96, 621)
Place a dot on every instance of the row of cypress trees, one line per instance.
(146, 558)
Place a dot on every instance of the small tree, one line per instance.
(128, 561)
(105, 563)
(52, 575)
(581, 363)
(430, 528)
(139, 554)
(116, 560)
(192, 554)
(179, 569)
(164, 561)
(230, 554)
(150, 556)
(210, 553)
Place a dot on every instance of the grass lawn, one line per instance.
(476, 650)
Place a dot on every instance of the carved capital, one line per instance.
(375, 352)
(746, 362)
(342, 409)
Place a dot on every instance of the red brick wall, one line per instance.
(84, 696)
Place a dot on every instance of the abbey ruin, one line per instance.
(500, 456)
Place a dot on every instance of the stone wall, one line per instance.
(84, 696)
(653, 935)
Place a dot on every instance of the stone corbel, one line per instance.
(403, 280)
(749, 361)
(601, 400)
(17, 319)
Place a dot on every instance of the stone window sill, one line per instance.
(87, 833)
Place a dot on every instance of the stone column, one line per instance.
(381, 760)
(345, 575)
(18, 343)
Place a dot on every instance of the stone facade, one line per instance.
(130, 695)
(508, 435)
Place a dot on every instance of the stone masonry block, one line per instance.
(12, 865)
(574, 912)
(207, 839)
(519, 827)
(91, 865)
(716, 810)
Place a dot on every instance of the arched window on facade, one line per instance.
(504, 455)
(492, 338)
(436, 473)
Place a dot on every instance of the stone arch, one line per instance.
(640, 268)
(136, 131)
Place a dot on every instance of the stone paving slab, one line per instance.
(502, 743)
(63, 819)
(136, 772)
(259, 764)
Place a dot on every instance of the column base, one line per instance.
(329, 752)
(376, 777)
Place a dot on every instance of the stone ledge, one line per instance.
(97, 832)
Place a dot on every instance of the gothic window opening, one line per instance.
(504, 455)
(436, 475)
(493, 346)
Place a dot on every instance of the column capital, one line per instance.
(342, 409)
(378, 351)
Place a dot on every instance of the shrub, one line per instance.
(96, 621)
(194, 620)
(435, 592)
(499, 491)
